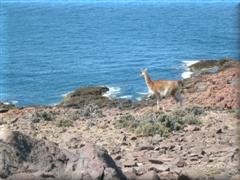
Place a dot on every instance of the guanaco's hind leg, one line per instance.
(178, 98)
(158, 101)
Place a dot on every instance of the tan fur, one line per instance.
(163, 88)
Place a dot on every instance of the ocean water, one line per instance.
(49, 49)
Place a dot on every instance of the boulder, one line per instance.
(36, 159)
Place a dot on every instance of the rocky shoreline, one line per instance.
(89, 136)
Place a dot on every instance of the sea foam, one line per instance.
(10, 102)
(67, 93)
(113, 92)
(126, 97)
(187, 73)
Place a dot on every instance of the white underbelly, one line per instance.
(164, 92)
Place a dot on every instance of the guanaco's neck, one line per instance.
(148, 80)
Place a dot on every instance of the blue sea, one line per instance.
(50, 48)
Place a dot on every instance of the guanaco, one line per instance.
(163, 88)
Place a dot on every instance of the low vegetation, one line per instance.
(42, 116)
(91, 111)
(64, 123)
(160, 122)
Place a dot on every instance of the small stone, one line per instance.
(171, 147)
(210, 160)
(118, 157)
(194, 157)
(145, 147)
(133, 138)
(124, 144)
(196, 128)
(203, 152)
(156, 161)
(3, 110)
(129, 164)
(219, 131)
(140, 170)
(124, 138)
(159, 168)
(181, 163)
(47, 175)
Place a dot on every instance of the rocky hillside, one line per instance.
(88, 136)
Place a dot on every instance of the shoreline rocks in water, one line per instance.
(211, 66)
(5, 107)
(85, 96)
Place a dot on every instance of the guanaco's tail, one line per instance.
(180, 85)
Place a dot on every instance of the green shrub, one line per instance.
(160, 122)
(195, 110)
(42, 116)
(64, 123)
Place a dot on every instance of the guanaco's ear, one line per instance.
(145, 69)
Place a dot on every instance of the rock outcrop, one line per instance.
(211, 66)
(25, 157)
(214, 84)
(5, 107)
(84, 96)
(93, 96)
(218, 89)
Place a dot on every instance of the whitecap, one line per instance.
(53, 104)
(113, 92)
(187, 73)
(189, 63)
(6, 103)
(143, 93)
(139, 98)
(10, 102)
(14, 102)
(65, 94)
(126, 97)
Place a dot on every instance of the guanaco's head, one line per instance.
(143, 72)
